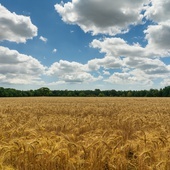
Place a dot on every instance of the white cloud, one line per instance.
(18, 68)
(144, 70)
(153, 67)
(107, 62)
(137, 77)
(138, 64)
(158, 11)
(158, 33)
(54, 50)
(98, 16)
(166, 82)
(15, 28)
(57, 83)
(71, 72)
(43, 39)
(158, 38)
(106, 72)
(118, 47)
(158, 44)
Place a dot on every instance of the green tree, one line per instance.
(43, 91)
(129, 94)
(101, 94)
(82, 94)
(166, 91)
(97, 92)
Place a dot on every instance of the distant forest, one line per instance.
(44, 91)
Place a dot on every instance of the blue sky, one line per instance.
(88, 44)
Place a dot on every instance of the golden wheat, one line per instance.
(84, 133)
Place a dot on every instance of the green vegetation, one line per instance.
(44, 91)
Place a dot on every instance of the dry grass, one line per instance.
(84, 133)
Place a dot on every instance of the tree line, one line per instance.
(44, 91)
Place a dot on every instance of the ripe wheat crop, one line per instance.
(84, 133)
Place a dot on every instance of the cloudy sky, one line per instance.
(85, 44)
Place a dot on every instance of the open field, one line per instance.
(84, 133)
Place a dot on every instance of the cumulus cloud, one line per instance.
(106, 17)
(71, 72)
(106, 72)
(165, 82)
(107, 62)
(158, 11)
(15, 28)
(118, 47)
(137, 77)
(43, 39)
(138, 64)
(54, 50)
(16, 68)
(158, 33)
(158, 44)
(158, 38)
(148, 66)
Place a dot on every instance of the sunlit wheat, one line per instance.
(84, 133)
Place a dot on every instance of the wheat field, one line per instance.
(84, 133)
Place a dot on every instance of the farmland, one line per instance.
(49, 133)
